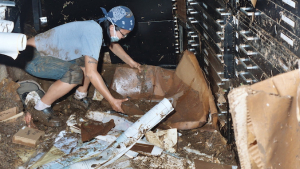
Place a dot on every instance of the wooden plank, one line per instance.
(8, 113)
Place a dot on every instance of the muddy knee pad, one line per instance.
(73, 76)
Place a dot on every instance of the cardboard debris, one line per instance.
(142, 147)
(90, 131)
(128, 107)
(165, 139)
(28, 136)
(147, 148)
(202, 164)
(155, 83)
(265, 122)
(8, 113)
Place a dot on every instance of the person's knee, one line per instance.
(31, 42)
(73, 76)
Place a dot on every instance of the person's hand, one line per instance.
(136, 65)
(116, 104)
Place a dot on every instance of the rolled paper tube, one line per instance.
(12, 43)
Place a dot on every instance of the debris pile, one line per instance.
(97, 137)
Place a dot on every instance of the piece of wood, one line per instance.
(8, 113)
(28, 136)
(13, 118)
(253, 3)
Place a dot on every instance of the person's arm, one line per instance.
(97, 81)
(119, 51)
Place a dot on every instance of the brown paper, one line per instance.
(253, 2)
(272, 128)
(181, 86)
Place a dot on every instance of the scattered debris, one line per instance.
(63, 147)
(166, 139)
(135, 132)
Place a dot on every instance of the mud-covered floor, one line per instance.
(204, 143)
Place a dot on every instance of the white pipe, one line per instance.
(6, 26)
(12, 43)
(135, 132)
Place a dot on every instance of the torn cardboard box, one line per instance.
(181, 86)
(265, 122)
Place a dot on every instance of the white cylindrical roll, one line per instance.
(6, 26)
(12, 43)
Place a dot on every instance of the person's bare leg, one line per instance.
(56, 91)
(86, 83)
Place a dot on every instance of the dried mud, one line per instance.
(203, 143)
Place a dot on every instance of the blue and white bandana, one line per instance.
(120, 16)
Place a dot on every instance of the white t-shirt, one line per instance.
(71, 41)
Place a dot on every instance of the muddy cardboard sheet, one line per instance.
(186, 88)
(265, 122)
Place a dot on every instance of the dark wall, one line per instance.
(151, 41)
